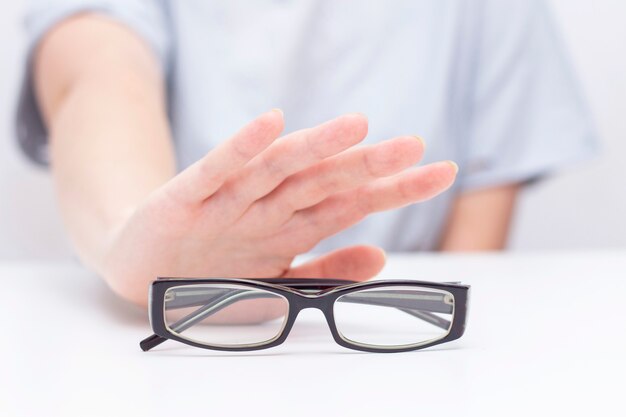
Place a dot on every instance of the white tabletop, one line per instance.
(546, 335)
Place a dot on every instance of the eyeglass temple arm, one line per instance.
(423, 310)
(405, 302)
(224, 300)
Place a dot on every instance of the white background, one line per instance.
(583, 208)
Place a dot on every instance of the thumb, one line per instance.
(357, 263)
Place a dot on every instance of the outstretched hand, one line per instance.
(257, 200)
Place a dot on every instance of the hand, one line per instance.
(253, 203)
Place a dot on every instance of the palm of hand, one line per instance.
(256, 201)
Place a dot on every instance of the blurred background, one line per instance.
(584, 207)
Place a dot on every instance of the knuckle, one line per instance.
(324, 184)
(362, 203)
(285, 202)
(369, 166)
(240, 152)
(404, 190)
(273, 167)
(208, 173)
(312, 145)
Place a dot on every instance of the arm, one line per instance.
(102, 96)
(246, 208)
(480, 219)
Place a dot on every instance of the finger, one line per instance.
(357, 263)
(291, 154)
(345, 209)
(205, 176)
(340, 173)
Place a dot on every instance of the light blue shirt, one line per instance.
(487, 83)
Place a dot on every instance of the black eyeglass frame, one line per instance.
(292, 289)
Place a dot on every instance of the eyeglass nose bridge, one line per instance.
(322, 303)
(305, 301)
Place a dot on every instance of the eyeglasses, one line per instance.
(250, 314)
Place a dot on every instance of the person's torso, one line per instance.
(395, 61)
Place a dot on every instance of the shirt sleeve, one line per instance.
(527, 116)
(148, 18)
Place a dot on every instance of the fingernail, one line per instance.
(358, 113)
(279, 111)
(421, 140)
(454, 165)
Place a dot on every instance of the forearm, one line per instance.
(110, 142)
(480, 220)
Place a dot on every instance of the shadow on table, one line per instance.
(188, 351)
(120, 310)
